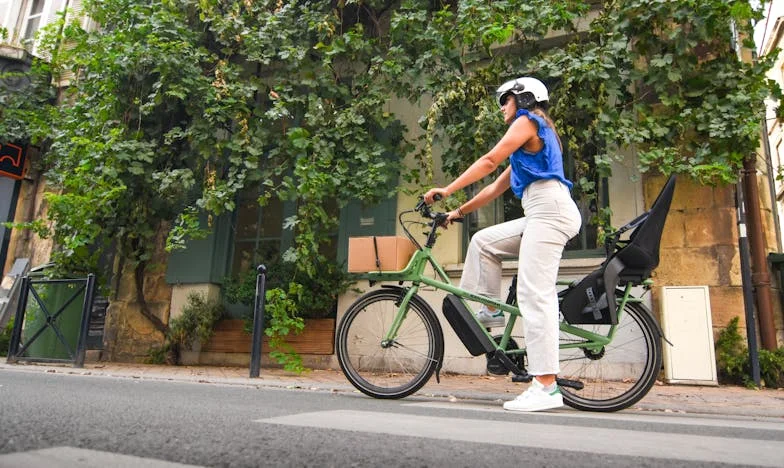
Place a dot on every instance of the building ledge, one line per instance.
(570, 267)
(14, 52)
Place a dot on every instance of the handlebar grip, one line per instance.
(422, 203)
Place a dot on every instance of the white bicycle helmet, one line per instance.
(528, 91)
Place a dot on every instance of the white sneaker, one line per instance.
(490, 319)
(536, 399)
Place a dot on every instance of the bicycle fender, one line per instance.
(392, 286)
(659, 329)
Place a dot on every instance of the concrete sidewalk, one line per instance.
(722, 400)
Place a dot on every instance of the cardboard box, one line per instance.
(394, 253)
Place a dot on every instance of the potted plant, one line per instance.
(192, 327)
(295, 303)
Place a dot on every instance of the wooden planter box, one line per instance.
(318, 337)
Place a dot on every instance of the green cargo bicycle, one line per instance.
(389, 342)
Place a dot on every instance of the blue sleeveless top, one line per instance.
(547, 163)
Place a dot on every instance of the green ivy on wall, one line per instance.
(175, 106)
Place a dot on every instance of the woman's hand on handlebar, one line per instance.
(449, 218)
(453, 216)
(435, 194)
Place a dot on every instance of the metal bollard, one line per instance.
(258, 321)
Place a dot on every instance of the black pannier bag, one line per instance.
(586, 302)
(592, 300)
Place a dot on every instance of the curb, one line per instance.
(681, 400)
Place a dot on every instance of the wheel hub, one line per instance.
(594, 354)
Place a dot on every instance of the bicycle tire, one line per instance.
(622, 372)
(394, 371)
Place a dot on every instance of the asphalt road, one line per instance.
(56, 420)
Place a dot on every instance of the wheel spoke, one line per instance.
(621, 372)
(403, 365)
(396, 344)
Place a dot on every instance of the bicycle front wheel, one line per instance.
(388, 368)
(620, 373)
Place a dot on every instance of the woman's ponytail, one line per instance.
(541, 112)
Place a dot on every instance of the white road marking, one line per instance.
(68, 457)
(675, 418)
(547, 436)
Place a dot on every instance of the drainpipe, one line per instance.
(748, 292)
(760, 277)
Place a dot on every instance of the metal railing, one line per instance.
(51, 328)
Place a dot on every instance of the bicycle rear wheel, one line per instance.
(619, 374)
(393, 369)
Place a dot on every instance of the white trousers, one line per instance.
(537, 239)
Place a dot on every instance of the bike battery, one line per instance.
(466, 327)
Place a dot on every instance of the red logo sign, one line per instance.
(12, 161)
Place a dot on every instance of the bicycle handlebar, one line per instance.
(422, 204)
(424, 210)
(438, 220)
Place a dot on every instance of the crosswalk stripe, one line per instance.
(67, 457)
(678, 420)
(547, 436)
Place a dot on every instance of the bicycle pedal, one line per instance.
(522, 378)
(575, 384)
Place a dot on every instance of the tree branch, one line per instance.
(138, 274)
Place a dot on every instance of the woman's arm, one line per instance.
(516, 136)
(485, 196)
(489, 193)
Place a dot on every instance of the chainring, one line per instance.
(496, 367)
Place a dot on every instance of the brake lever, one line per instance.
(441, 218)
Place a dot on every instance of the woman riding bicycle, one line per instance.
(535, 175)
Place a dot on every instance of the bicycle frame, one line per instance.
(394, 361)
(414, 273)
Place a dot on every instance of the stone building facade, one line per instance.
(699, 247)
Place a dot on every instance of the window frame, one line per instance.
(48, 8)
(285, 239)
(30, 16)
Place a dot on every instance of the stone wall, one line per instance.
(29, 206)
(129, 335)
(700, 247)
